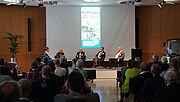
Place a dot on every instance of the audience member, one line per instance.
(100, 56)
(44, 89)
(34, 73)
(45, 62)
(81, 54)
(38, 59)
(73, 66)
(75, 85)
(9, 91)
(130, 73)
(155, 61)
(171, 92)
(152, 84)
(59, 80)
(46, 54)
(164, 65)
(26, 90)
(59, 71)
(139, 81)
(4, 77)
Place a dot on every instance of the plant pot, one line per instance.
(13, 60)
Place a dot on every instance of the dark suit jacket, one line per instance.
(103, 55)
(59, 55)
(155, 62)
(150, 86)
(139, 82)
(168, 94)
(83, 56)
(4, 70)
(45, 55)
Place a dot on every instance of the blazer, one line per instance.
(121, 55)
(83, 56)
(59, 55)
(103, 55)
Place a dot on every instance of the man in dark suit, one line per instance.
(138, 81)
(46, 54)
(81, 54)
(152, 84)
(26, 90)
(169, 93)
(60, 54)
(100, 56)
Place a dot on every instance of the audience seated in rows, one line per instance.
(44, 89)
(152, 84)
(138, 81)
(130, 73)
(9, 91)
(59, 71)
(25, 86)
(34, 73)
(173, 67)
(76, 84)
(155, 61)
(169, 93)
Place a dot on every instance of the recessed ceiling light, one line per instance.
(91, 0)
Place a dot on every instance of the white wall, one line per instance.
(117, 29)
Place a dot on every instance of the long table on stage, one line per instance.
(103, 73)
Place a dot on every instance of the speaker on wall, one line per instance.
(29, 34)
(136, 53)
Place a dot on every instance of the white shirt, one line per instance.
(118, 54)
(60, 71)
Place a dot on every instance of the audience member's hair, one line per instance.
(46, 48)
(1, 61)
(38, 59)
(79, 63)
(155, 57)
(52, 66)
(46, 70)
(129, 63)
(25, 87)
(143, 66)
(155, 69)
(76, 82)
(135, 64)
(74, 61)
(75, 70)
(45, 60)
(9, 91)
(57, 62)
(164, 59)
(173, 63)
(137, 59)
(77, 98)
(170, 77)
(34, 64)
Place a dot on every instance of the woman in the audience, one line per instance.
(130, 73)
(75, 84)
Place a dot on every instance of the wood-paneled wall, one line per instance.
(14, 19)
(155, 27)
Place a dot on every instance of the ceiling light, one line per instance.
(91, 0)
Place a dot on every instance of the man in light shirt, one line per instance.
(59, 71)
(118, 58)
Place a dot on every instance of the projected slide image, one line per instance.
(90, 27)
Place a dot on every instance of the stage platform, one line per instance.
(103, 73)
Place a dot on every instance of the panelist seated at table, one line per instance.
(118, 58)
(100, 56)
(60, 54)
(46, 54)
(81, 54)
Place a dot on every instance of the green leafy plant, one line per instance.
(13, 43)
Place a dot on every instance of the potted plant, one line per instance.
(13, 45)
